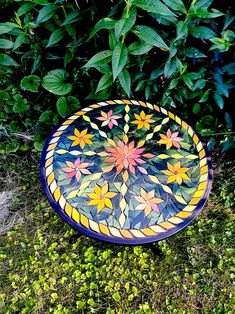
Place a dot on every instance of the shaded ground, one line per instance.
(46, 267)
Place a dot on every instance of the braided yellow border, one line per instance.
(131, 233)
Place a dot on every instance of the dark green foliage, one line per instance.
(177, 53)
(5, 3)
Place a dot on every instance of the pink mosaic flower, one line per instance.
(148, 202)
(170, 139)
(76, 169)
(126, 156)
(108, 118)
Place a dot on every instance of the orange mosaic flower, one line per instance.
(101, 197)
(143, 120)
(126, 156)
(176, 173)
(148, 202)
(81, 138)
(170, 139)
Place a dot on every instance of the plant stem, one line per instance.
(219, 133)
(65, 14)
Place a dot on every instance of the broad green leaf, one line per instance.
(153, 6)
(199, 84)
(46, 116)
(55, 37)
(219, 100)
(164, 20)
(150, 36)
(105, 81)
(19, 104)
(202, 4)
(105, 68)
(72, 17)
(173, 50)
(229, 35)
(71, 30)
(205, 96)
(173, 83)
(147, 92)
(112, 40)
(228, 144)
(39, 146)
(106, 23)
(62, 106)
(204, 14)
(100, 58)
(20, 39)
(193, 75)
(176, 5)
(196, 108)
(45, 14)
(170, 68)
(222, 89)
(7, 60)
(188, 81)
(217, 41)
(119, 59)
(228, 120)
(25, 8)
(30, 83)
(41, 2)
(139, 48)
(6, 44)
(220, 47)
(125, 81)
(181, 30)
(7, 27)
(36, 63)
(12, 147)
(194, 53)
(202, 32)
(156, 73)
(125, 23)
(66, 106)
(104, 94)
(220, 44)
(54, 82)
(228, 20)
(4, 97)
(140, 86)
(229, 68)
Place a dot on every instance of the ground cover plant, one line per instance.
(47, 267)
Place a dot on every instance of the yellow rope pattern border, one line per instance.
(112, 231)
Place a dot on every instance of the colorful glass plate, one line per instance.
(126, 171)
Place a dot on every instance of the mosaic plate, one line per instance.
(126, 171)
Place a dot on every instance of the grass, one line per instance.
(47, 267)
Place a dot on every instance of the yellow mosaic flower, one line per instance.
(176, 173)
(81, 138)
(143, 120)
(101, 197)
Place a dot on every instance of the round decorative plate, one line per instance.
(126, 171)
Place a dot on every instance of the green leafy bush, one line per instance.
(5, 3)
(177, 53)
